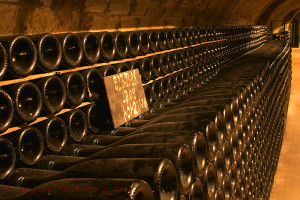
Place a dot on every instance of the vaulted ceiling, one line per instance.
(36, 16)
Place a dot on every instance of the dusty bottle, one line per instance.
(164, 65)
(28, 101)
(121, 45)
(107, 46)
(133, 43)
(145, 70)
(7, 157)
(21, 55)
(170, 39)
(75, 88)
(94, 116)
(29, 144)
(162, 39)
(72, 51)
(90, 47)
(155, 66)
(153, 39)
(6, 111)
(76, 123)
(53, 94)
(49, 51)
(196, 192)
(54, 131)
(159, 173)
(122, 67)
(145, 42)
(82, 188)
(93, 83)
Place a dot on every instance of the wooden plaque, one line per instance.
(126, 96)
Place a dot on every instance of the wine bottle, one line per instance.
(75, 88)
(49, 51)
(54, 131)
(53, 94)
(155, 66)
(76, 123)
(107, 46)
(145, 70)
(29, 144)
(122, 67)
(156, 91)
(148, 94)
(121, 45)
(7, 157)
(190, 39)
(159, 173)
(72, 51)
(185, 58)
(153, 40)
(179, 61)
(164, 64)
(171, 61)
(22, 55)
(162, 39)
(196, 35)
(133, 43)
(28, 101)
(177, 37)
(107, 70)
(6, 111)
(170, 39)
(82, 188)
(209, 180)
(184, 37)
(3, 63)
(93, 83)
(145, 42)
(94, 116)
(196, 192)
(90, 47)
(164, 84)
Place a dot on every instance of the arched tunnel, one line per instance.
(149, 99)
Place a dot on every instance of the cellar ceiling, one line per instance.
(38, 16)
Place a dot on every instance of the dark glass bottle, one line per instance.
(122, 67)
(171, 61)
(121, 45)
(22, 55)
(107, 70)
(155, 67)
(93, 81)
(54, 131)
(156, 91)
(6, 111)
(75, 88)
(177, 37)
(145, 70)
(7, 157)
(53, 94)
(72, 50)
(196, 192)
(49, 51)
(133, 43)
(145, 42)
(3, 62)
(149, 94)
(170, 39)
(190, 39)
(165, 87)
(184, 37)
(83, 188)
(76, 122)
(90, 47)
(29, 144)
(107, 46)
(153, 38)
(94, 116)
(28, 101)
(162, 39)
(159, 173)
(164, 64)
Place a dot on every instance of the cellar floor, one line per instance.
(287, 179)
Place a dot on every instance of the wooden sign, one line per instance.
(126, 96)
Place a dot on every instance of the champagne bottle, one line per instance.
(153, 39)
(3, 63)
(209, 180)
(54, 131)
(133, 43)
(164, 65)
(29, 144)
(155, 67)
(184, 37)
(179, 60)
(162, 39)
(90, 47)
(171, 61)
(190, 39)
(49, 51)
(145, 70)
(159, 173)
(170, 39)
(122, 67)
(92, 78)
(145, 42)
(76, 122)
(53, 94)
(82, 188)
(177, 36)
(75, 88)
(156, 90)
(6, 111)
(196, 192)
(95, 117)
(121, 45)
(28, 101)
(107, 70)
(148, 94)
(107, 46)
(21, 55)
(72, 51)
(7, 157)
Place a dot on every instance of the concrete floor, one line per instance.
(287, 178)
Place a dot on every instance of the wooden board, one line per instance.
(126, 96)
